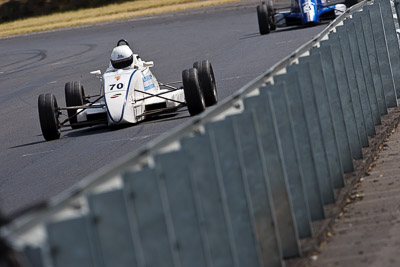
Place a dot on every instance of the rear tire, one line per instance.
(207, 82)
(48, 116)
(193, 95)
(263, 21)
(74, 96)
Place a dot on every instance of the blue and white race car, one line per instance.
(301, 12)
(129, 93)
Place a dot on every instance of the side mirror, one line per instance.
(148, 64)
(96, 72)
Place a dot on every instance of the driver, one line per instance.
(122, 57)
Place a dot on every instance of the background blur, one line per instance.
(16, 9)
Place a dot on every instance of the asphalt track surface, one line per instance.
(32, 170)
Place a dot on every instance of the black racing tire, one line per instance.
(263, 21)
(49, 116)
(350, 3)
(271, 15)
(193, 95)
(74, 96)
(207, 82)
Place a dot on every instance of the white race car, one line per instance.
(129, 93)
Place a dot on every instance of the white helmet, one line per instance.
(121, 57)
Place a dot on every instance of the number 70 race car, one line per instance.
(129, 93)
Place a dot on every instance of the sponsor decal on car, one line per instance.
(116, 95)
(309, 10)
(148, 82)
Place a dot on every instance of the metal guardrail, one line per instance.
(241, 184)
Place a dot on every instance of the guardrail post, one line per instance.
(360, 91)
(279, 182)
(203, 171)
(356, 27)
(353, 87)
(212, 205)
(349, 110)
(234, 189)
(112, 229)
(255, 172)
(147, 217)
(392, 40)
(179, 199)
(33, 256)
(318, 86)
(276, 101)
(273, 97)
(373, 59)
(382, 54)
(71, 243)
(302, 139)
(336, 106)
(314, 128)
(366, 105)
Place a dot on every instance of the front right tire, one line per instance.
(271, 15)
(74, 96)
(193, 95)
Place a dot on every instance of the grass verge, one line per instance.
(102, 14)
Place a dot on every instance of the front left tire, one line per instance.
(207, 82)
(271, 15)
(49, 116)
(263, 20)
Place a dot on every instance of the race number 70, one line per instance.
(118, 85)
